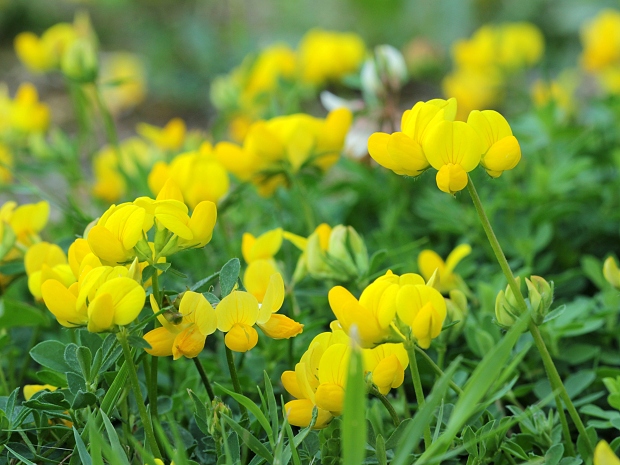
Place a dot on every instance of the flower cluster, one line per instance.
(247, 93)
(282, 146)
(600, 38)
(484, 62)
(391, 309)
(431, 137)
(23, 114)
(319, 379)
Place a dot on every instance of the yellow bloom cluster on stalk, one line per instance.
(600, 38)
(484, 63)
(169, 138)
(330, 253)
(199, 174)
(282, 146)
(319, 379)
(560, 90)
(430, 137)
(259, 253)
(391, 309)
(247, 93)
(123, 81)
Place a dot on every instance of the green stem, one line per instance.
(108, 121)
(565, 430)
(386, 403)
(152, 379)
(230, 358)
(303, 200)
(438, 370)
(552, 373)
(417, 387)
(204, 377)
(135, 385)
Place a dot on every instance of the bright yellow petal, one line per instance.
(407, 154)
(241, 338)
(330, 397)
(188, 343)
(101, 314)
(454, 143)
(196, 309)
(257, 277)
(61, 302)
(503, 155)
(161, 341)
(458, 254)
(274, 298)
(236, 308)
(281, 327)
(289, 381)
(127, 297)
(299, 413)
(378, 150)
(451, 178)
(603, 455)
(428, 262)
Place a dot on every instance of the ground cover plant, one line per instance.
(367, 254)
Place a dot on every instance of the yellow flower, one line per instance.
(264, 246)
(429, 262)
(26, 113)
(474, 89)
(374, 313)
(453, 148)
(304, 381)
(26, 221)
(332, 375)
(31, 389)
(118, 231)
(239, 311)
(44, 54)
(272, 64)
(501, 149)
(422, 309)
(601, 41)
(387, 364)
(403, 152)
(45, 261)
(603, 455)
(186, 337)
(326, 56)
(170, 137)
(102, 298)
(561, 91)
(199, 175)
(123, 79)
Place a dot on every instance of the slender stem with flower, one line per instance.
(552, 373)
(417, 387)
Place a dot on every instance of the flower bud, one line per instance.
(457, 311)
(385, 73)
(503, 316)
(143, 251)
(540, 295)
(80, 62)
(214, 419)
(611, 272)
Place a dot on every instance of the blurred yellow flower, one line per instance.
(169, 138)
(45, 261)
(44, 53)
(31, 389)
(561, 91)
(387, 364)
(612, 272)
(123, 80)
(26, 113)
(600, 38)
(199, 175)
(430, 262)
(329, 56)
(6, 164)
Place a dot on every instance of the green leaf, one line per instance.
(582, 443)
(12, 268)
(19, 457)
(380, 450)
(554, 454)
(163, 267)
(252, 407)
(200, 413)
(84, 358)
(228, 276)
(286, 454)
(271, 402)
(75, 382)
(51, 354)
(249, 439)
(198, 287)
(81, 447)
(14, 313)
(354, 413)
(114, 440)
(394, 439)
(51, 377)
(83, 399)
(415, 429)
(139, 342)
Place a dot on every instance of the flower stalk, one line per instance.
(552, 373)
(417, 387)
(135, 385)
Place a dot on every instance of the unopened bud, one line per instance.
(143, 250)
(457, 311)
(79, 62)
(540, 295)
(385, 73)
(611, 272)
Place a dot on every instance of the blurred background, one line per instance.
(184, 45)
